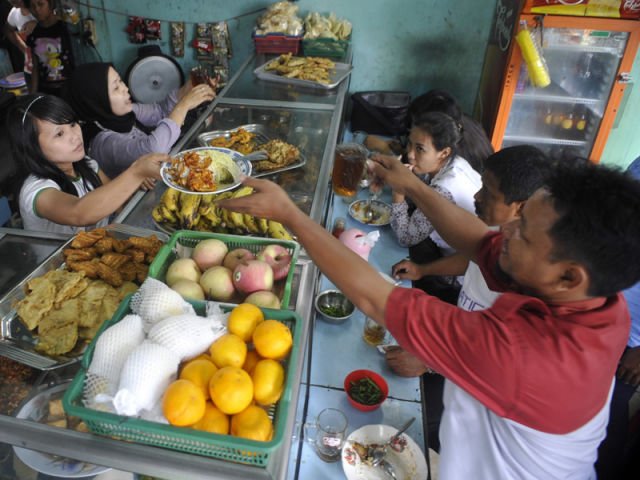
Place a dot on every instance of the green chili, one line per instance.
(365, 391)
(334, 311)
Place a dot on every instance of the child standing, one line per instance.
(20, 23)
(50, 46)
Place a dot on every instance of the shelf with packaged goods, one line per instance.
(524, 139)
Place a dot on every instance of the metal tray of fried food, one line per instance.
(17, 342)
(261, 137)
(336, 75)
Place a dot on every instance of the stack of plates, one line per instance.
(15, 80)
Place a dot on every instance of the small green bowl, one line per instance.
(334, 299)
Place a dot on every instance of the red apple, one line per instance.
(278, 257)
(217, 283)
(264, 298)
(236, 256)
(254, 275)
(209, 253)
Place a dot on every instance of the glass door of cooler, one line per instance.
(565, 116)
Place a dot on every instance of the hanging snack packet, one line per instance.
(177, 38)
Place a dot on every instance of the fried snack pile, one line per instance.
(99, 255)
(315, 69)
(66, 307)
(240, 140)
(200, 212)
(280, 153)
(192, 171)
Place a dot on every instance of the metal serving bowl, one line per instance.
(333, 299)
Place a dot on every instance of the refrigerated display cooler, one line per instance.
(589, 62)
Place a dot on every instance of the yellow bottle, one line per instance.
(538, 71)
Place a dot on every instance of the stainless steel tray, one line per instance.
(260, 131)
(17, 342)
(338, 74)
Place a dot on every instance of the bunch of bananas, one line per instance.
(200, 212)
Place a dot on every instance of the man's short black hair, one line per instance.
(598, 224)
(520, 171)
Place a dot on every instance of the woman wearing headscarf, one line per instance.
(116, 130)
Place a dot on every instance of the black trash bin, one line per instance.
(380, 112)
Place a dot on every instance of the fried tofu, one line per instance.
(37, 303)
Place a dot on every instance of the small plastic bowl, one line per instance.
(334, 299)
(376, 378)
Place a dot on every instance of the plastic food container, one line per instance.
(182, 242)
(224, 447)
(277, 43)
(375, 378)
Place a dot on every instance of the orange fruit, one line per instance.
(250, 362)
(252, 423)
(228, 351)
(243, 320)
(213, 421)
(231, 390)
(268, 381)
(183, 403)
(203, 356)
(272, 339)
(199, 371)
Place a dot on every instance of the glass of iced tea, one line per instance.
(199, 75)
(373, 332)
(348, 167)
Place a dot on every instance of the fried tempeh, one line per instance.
(104, 245)
(115, 260)
(90, 268)
(88, 239)
(109, 275)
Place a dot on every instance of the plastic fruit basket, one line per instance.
(180, 243)
(325, 47)
(277, 43)
(224, 447)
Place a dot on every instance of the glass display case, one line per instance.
(308, 118)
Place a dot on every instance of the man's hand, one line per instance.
(268, 200)
(629, 368)
(391, 171)
(406, 270)
(403, 363)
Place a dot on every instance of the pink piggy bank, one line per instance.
(356, 240)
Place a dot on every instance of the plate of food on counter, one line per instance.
(381, 212)
(247, 139)
(403, 456)
(46, 407)
(205, 170)
(315, 72)
(49, 318)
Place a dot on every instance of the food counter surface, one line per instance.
(311, 120)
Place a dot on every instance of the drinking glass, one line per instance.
(330, 426)
(349, 165)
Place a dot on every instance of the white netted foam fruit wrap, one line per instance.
(112, 349)
(155, 301)
(186, 335)
(146, 374)
(114, 346)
